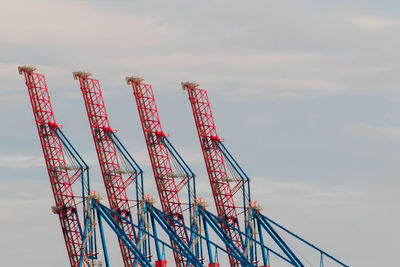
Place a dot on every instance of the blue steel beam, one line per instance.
(189, 173)
(103, 240)
(122, 236)
(138, 171)
(131, 161)
(176, 239)
(279, 241)
(155, 237)
(228, 242)
(216, 219)
(205, 238)
(264, 220)
(251, 238)
(303, 240)
(79, 160)
(162, 221)
(137, 227)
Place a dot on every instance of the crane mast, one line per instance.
(60, 180)
(223, 188)
(167, 182)
(106, 149)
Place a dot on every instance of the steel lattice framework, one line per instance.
(222, 187)
(65, 166)
(167, 185)
(60, 180)
(114, 181)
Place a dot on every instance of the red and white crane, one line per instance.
(116, 180)
(60, 179)
(224, 188)
(169, 184)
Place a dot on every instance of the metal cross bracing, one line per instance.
(65, 166)
(109, 149)
(160, 222)
(223, 187)
(170, 184)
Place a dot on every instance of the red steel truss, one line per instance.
(213, 157)
(168, 188)
(107, 154)
(60, 180)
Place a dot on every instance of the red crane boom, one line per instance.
(167, 186)
(108, 158)
(60, 180)
(214, 159)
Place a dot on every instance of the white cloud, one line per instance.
(21, 161)
(8, 70)
(365, 129)
(97, 38)
(308, 193)
(374, 23)
(253, 74)
(191, 155)
(49, 23)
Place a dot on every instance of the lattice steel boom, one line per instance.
(223, 187)
(169, 184)
(111, 170)
(60, 180)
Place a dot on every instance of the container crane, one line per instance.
(257, 226)
(169, 183)
(64, 167)
(118, 168)
(224, 188)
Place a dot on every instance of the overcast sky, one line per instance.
(305, 94)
